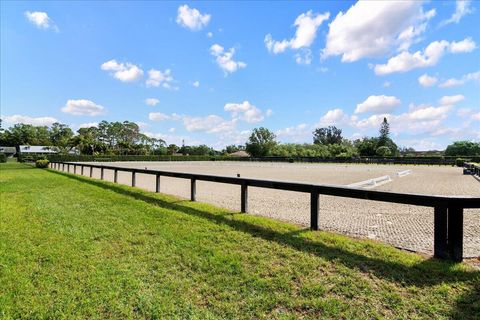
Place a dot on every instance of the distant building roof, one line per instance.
(8, 150)
(37, 149)
(239, 153)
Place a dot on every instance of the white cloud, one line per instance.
(35, 121)
(304, 56)
(191, 18)
(269, 112)
(476, 116)
(173, 139)
(374, 28)
(451, 100)
(225, 59)
(465, 112)
(88, 125)
(83, 107)
(142, 125)
(462, 8)
(387, 84)
(171, 130)
(158, 116)
(297, 133)
(210, 124)
(125, 72)
(335, 117)
(418, 119)
(41, 20)
(378, 104)
(151, 102)
(209, 34)
(425, 112)
(158, 78)
(307, 25)
(406, 61)
(466, 45)
(452, 82)
(196, 84)
(427, 81)
(244, 111)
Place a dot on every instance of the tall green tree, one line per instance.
(328, 135)
(463, 148)
(384, 133)
(261, 142)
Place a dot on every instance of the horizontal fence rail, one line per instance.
(448, 210)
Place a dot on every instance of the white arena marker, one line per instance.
(371, 183)
(403, 173)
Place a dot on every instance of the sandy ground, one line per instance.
(404, 226)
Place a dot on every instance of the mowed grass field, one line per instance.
(72, 247)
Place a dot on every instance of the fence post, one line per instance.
(193, 189)
(81, 170)
(74, 169)
(455, 232)
(101, 173)
(63, 166)
(133, 179)
(91, 171)
(244, 198)
(115, 176)
(157, 183)
(68, 168)
(440, 242)
(314, 205)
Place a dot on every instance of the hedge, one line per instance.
(368, 160)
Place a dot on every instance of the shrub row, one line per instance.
(42, 163)
(3, 158)
(367, 160)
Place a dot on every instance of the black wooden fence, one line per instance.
(448, 210)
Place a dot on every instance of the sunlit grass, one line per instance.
(73, 247)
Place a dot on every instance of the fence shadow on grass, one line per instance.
(428, 272)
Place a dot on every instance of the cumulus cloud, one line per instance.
(245, 111)
(225, 60)
(462, 8)
(298, 133)
(333, 117)
(41, 20)
(196, 84)
(191, 18)
(374, 28)
(307, 25)
(151, 102)
(88, 125)
(378, 104)
(83, 107)
(158, 116)
(210, 124)
(125, 72)
(35, 121)
(406, 61)
(158, 78)
(451, 100)
(427, 81)
(452, 82)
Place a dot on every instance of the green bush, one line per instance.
(3, 158)
(459, 162)
(42, 163)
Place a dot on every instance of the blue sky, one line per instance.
(209, 72)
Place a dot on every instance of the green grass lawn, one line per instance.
(74, 247)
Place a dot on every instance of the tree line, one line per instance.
(125, 138)
(327, 142)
